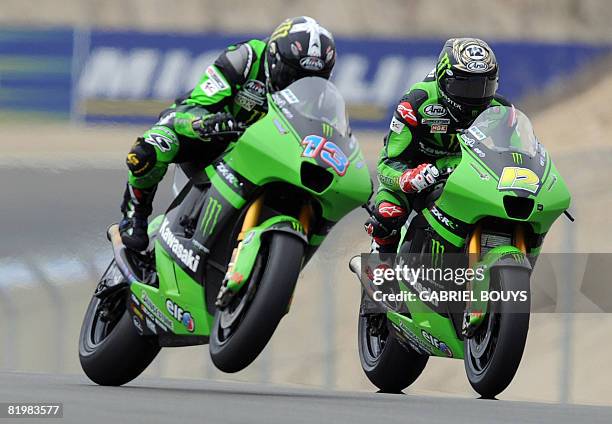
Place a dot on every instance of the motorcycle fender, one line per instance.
(506, 256)
(251, 244)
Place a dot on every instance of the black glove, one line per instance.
(210, 125)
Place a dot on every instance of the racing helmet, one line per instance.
(298, 47)
(467, 75)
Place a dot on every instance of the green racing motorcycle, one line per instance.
(495, 202)
(224, 259)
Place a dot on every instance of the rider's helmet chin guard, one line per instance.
(467, 76)
(298, 48)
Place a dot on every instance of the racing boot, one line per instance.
(136, 207)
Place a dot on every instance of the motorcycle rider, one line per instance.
(231, 94)
(424, 128)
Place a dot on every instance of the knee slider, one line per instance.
(141, 158)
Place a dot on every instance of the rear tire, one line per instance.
(112, 352)
(493, 354)
(234, 348)
(388, 365)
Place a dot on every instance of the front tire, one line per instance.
(263, 302)
(492, 356)
(388, 365)
(111, 351)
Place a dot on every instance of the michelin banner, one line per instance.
(129, 77)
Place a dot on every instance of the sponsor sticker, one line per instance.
(405, 110)
(443, 218)
(160, 318)
(477, 66)
(215, 82)
(396, 125)
(289, 96)
(151, 325)
(435, 121)
(312, 63)
(186, 256)
(475, 131)
(179, 314)
(137, 324)
(441, 346)
(468, 141)
(252, 94)
(435, 110)
(228, 175)
(479, 152)
(439, 129)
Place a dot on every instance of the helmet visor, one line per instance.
(479, 87)
(283, 74)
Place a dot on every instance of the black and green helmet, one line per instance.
(299, 47)
(467, 75)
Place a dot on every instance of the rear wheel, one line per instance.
(493, 354)
(242, 329)
(388, 365)
(111, 351)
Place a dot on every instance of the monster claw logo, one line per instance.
(328, 130)
(297, 226)
(211, 215)
(517, 158)
(281, 31)
(437, 250)
(518, 258)
(443, 66)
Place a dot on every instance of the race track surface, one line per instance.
(191, 401)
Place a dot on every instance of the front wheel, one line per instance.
(493, 354)
(388, 365)
(242, 329)
(111, 351)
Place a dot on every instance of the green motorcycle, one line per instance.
(490, 213)
(224, 259)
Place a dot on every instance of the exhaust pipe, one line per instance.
(119, 252)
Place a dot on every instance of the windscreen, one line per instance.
(316, 99)
(501, 129)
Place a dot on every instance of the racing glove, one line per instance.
(419, 178)
(210, 125)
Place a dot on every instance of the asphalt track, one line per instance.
(46, 211)
(190, 401)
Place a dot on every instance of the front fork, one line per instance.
(474, 314)
(244, 254)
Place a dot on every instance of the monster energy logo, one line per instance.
(211, 215)
(297, 226)
(328, 130)
(282, 30)
(517, 158)
(443, 65)
(437, 250)
(518, 257)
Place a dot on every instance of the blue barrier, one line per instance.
(128, 76)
